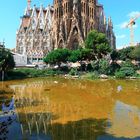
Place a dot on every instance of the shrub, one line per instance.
(113, 68)
(64, 68)
(95, 65)
(89, 67)
(128, 71)
(120, 74)
(128, 68)
(75, 56)
(125, 53)
(128, 63)
(28, 72)
(92, 75)
(73, 71)
(114, 55)
(103, 66)
(136, 53)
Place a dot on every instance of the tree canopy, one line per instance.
(125, 53)
(136, 53)
(81, 54)
(98, 43)
(6, 60)
(76, 55)
(114, 55)
(57, 56)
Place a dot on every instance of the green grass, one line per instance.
(22, 73)
(90, 75)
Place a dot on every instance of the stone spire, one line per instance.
(28, 4)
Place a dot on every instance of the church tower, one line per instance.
(76, 33)
(63, 25)
(91, 13)
(34, 34)
(58, 14)
(67, 7)
(29, 4)
(58, 11)
(88, 13)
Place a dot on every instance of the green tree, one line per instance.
(95, 65)
(57, 56)
(125, 53)
(136, 53)
(98, 43)
(104, 66)
(81, 54)
(127, 69)
(91, 41)
(114, 55)
(103, 49)
(75, 56)
(6, 61)
(113, 68)
(87, 54)
(101, 66)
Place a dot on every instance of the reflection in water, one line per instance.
(5, 122)
(126, 120)
(75, 110)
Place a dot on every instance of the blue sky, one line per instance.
(119, 10)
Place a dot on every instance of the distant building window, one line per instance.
(34, 58)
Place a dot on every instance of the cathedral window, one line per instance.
(75, 44)
(60, 44)
(92, 13)
(84, 8)
(88, 11)
(66, 7)
(57, 12)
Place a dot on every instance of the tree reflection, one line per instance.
(85, 129)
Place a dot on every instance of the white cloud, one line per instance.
(123, 25)
(121, 36)
(133, 14)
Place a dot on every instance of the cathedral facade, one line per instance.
(63, 25)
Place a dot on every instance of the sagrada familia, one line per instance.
(63, 25)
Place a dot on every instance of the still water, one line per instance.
(69, 109)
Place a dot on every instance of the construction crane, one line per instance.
(130, 25)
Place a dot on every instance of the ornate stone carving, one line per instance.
(49, 28)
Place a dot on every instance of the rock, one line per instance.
(103, 76)
(56, 82)
(76, 76)
(133, 77)
(138, 71)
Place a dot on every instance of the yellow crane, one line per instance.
(130, 25)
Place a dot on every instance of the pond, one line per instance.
(72, 109)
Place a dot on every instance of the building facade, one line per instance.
(20, 59)
(63, 25)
